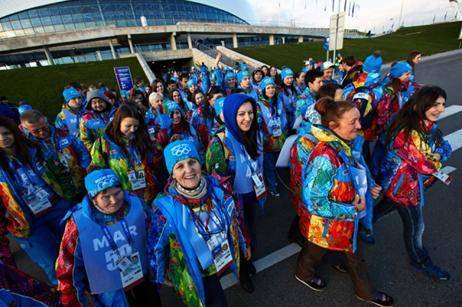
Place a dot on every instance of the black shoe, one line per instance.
(274, 193)
(246, 284)
(432, 270)
(380, 299)
(316, 283)
(340, 267)
(366, 236)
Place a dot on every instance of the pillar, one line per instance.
(49, 56)
(173, 41)
(300, 39)
(99, 57)
(235, 44)
(114, 55)
(271, 39)
(283, 40)
(190, 45)
(130, 43)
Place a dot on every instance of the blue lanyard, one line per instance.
(134, 158)
(111, 241)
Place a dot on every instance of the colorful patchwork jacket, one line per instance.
(19, 218)
(106, 153)
(171, 253)
(201, 126)
(68, 160)
(409, 162)
(304, 101)
(273, 124)
(327, 192)
(92, 126)
(67, 121)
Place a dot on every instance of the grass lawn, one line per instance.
(42, 87)
(427, 39)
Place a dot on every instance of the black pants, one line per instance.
(144, 294)
(249, 206)
(214, 294)
(413, 227)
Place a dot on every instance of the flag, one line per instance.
(333, 5)
(345, 6)
(353, 10)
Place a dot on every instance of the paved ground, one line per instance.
(387, 261)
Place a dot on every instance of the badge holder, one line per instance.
(442, 176)
(130, 269)
(137, 179)
(221, 252)
(38, 201)
(259, 185)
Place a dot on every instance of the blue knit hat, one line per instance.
(218, 106)
(24, 107)
(191, 82)
(399, 69)
(178, 151)
(286, 72)
(230, 75)
(171, 106)
(241, 75)
(243, 66)
(70, 93)
(100, 180)
(267, 81)
(231, 104)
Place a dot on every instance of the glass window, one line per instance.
(36, 22)
(56, 20)
(25, 23)
(33, 13)
(49, 28)
(43, 12)
(39, 29)
(66, 18)
(46, 21)
(6, 26)
(16, 25)
(59, 27)
(69, 26)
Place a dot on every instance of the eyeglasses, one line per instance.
(39, 130)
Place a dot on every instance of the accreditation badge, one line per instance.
(130, 269)
(137, 179)
(221, 251)
(259, 185)
(37, 201)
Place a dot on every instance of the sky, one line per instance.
(374, 15)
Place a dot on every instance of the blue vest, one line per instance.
(279, 117)
(72, 123)
(98, 257)
(245, 166)
(195, 250)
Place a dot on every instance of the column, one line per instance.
(130, 43)
(173, 41)
(271, 39)
(99, 57)
(49, 56)
(190, 45)
(300, 39)
(235, 44)
(114, 55)
(283, 40)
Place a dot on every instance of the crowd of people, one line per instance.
(118, 196)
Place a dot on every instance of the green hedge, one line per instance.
(428, 39)
(42, 87)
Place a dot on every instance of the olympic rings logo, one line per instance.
(105, 181)
(180, 150)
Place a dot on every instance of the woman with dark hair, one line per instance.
(33, 210)
(272, 119)
(415, 150)
(414, 58)
(333, 188)
(299, 82)
(175, 95)
(257, 76)
(157, 86)
(273, 73)
(332, 90)
(125, 147)
(179, 129)
(138, 98)
(239, 155)
(202, 120)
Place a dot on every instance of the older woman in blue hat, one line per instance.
(103, 256)
(195, 236)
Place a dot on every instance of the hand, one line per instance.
(248, 254)
(436, 156)
(375, 191)
(359, 203)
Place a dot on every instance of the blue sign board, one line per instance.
(124, 80)
(325, 44)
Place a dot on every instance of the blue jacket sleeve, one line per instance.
(205, 79)
(82, 153)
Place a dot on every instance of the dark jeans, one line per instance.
(269, 170)
(214, 294)
(413, 226)
(249, 204)
(144, 294)
(312, 254)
